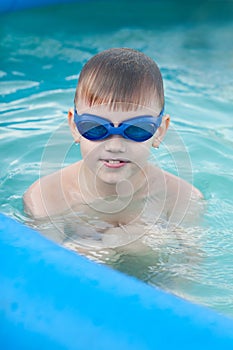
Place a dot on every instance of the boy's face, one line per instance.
(115, 158)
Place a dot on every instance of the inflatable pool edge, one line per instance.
(60, 300)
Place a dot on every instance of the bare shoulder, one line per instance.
(184, 201)
(175, 184)
(50, 194)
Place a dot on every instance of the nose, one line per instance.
(115, 144)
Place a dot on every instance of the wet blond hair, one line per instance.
(120, 75)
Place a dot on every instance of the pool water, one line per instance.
(41, 54)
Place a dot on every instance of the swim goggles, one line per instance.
(138, 129)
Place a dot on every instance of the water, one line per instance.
(41, 54)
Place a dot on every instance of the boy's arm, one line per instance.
(33, 201)
(188, 213)
(45, 197)
(52, 194)
(186, 204)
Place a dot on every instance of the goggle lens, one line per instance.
(140, 132)
(91, 130)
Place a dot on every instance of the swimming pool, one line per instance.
(40, 66)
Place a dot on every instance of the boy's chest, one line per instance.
(122, 211)
(110, 225)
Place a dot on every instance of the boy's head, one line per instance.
(120, 77)
(119, 93)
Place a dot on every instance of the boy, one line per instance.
(118, 116)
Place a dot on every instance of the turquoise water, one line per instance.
(41, 54)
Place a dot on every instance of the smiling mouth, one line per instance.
(114, 163)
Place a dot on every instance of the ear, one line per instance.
(73, 128)
(161, 132)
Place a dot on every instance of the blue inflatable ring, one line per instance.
(52, 298)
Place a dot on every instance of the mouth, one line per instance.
(115, 163)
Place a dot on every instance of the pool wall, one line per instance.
(52, 298)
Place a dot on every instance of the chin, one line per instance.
(113, 177)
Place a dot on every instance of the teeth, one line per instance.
(113, 161)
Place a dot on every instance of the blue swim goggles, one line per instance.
(138, 129)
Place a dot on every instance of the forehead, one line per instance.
(120, 112)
